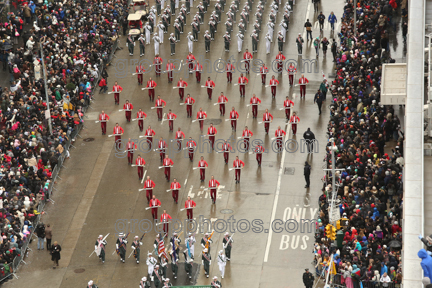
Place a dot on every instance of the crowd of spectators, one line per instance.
(367, 250)
(77, 38)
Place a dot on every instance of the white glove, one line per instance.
(141, 243)
(210, 262)
(95, 248)
(133, 247)
(202, 262)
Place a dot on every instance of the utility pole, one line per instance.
(333, 170)
(46, 88)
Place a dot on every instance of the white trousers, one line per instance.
(190, 46)
(222, 269)
(156, 45)
(239, 44)
(268, 45)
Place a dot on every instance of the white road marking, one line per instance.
(276, 199)
(190, 192)
(145, 172)
(185, 183)
(163, 118)
(247, 116)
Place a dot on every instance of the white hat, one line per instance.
(100, 236)
(149, 253)
(221, 251)
(144, 279)
(136, 237)
(226, 233)
(121, 234)
(90, 282)
(215, 277)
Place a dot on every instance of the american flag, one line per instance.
(161, 249)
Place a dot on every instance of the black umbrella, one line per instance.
(395, 244)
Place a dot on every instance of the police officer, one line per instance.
(308, 279)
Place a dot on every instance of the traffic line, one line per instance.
(278, 187)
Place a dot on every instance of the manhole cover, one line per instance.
(289, 170)
(81, 270)
(226, 211)
(88, 139)
(214, 121)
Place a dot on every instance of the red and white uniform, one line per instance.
(140, 162)
(259, 150)
(237, 165)
(157, 63)
(246, 136)
(149, 133)
(103, 118)
(128, 107)
(294, 120)
(242, 81)
(169, 68)
(175, 187)
(165, 217)
(234, 115)
(226, 148)
(149, 186)
(190, 59)
(279, 60)
(222, 99)
(151, 85)
(198, 70)
(189, 204)
(302, 82)
(167, 163)
(162, 146)
(202, 164)
(159, 107)
(191, 146)
(154, 203)
(179, 136)
(273, 84)
(291, 72)
(141, 116)
(131, 147)
(209, 84)
(171, 116)
(189, 102)
(229, 68)
(267, 118)
(201, 116)
(247, 56)
(211, 132)
(279, 134)
(181, 84)
(264, 71)
(140, 71)
(288, 104)
(117, 89)
(213, 185)
(254, 102)
(117, 131)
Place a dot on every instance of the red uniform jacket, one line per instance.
(211, 131)
(151, 84)
(103, 117)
